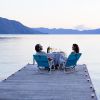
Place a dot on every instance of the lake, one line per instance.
(17, 50)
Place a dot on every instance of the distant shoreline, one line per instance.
(55, 34)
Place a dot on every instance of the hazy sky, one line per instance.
(53, 13)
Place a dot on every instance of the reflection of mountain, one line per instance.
(67, 31)
(14, 27)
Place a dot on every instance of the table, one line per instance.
(58, 57)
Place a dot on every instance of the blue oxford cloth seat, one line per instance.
(43, 62)
(71, 61)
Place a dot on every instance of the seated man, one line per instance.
(38, 49)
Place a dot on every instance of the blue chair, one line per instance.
(43, 62)
(72, 61)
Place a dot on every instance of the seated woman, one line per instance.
(75, 48)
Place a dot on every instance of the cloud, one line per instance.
(81, 27)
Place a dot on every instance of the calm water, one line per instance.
(17, 50)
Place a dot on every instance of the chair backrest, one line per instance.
(72, 59)
(41, 60)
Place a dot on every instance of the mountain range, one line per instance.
(14, 27)
(67, 31)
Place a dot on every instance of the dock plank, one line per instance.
(29, 84)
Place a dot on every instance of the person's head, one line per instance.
(38, 48)
(75, 48)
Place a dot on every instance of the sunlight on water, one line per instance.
(17, 50)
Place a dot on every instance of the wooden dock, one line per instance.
(29, 84)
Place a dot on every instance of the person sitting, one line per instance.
(75, 48)
(39, 49)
